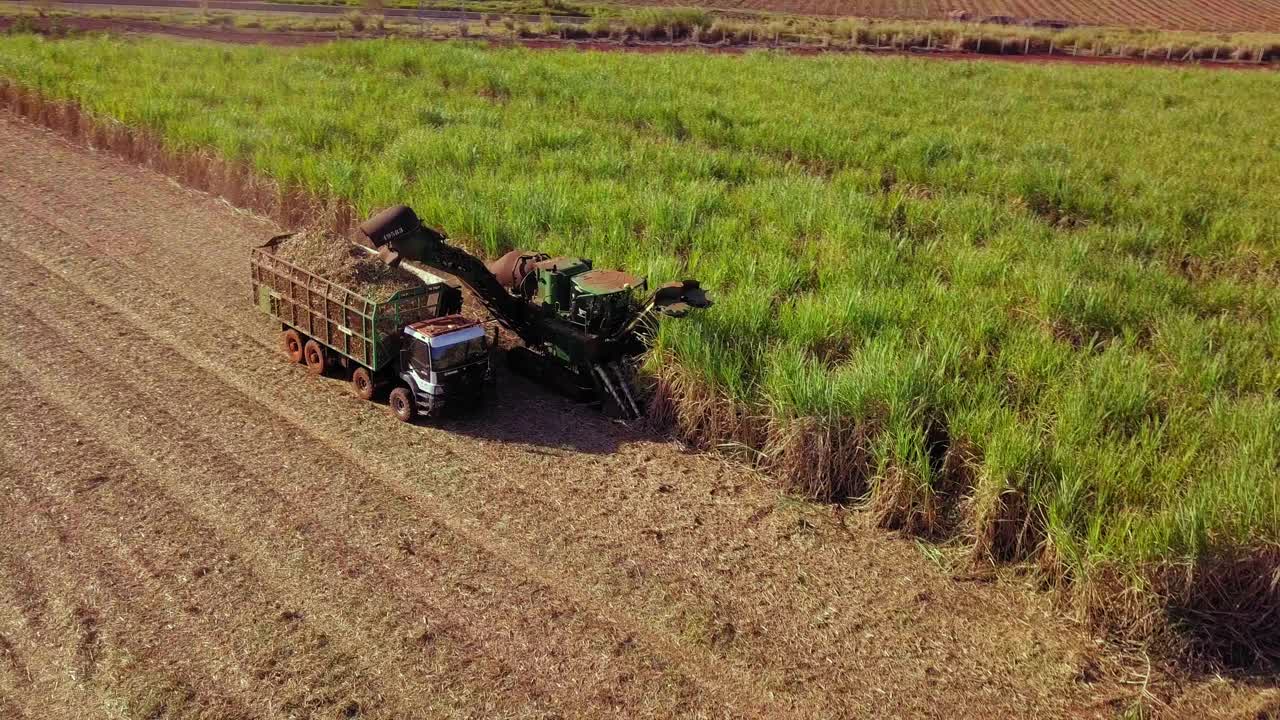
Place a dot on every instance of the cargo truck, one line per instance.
(413, 343)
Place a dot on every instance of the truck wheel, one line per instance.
(401, 402)
(293, 345)
(317, 359)
(362, 383)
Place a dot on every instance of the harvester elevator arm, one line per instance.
(400, 235)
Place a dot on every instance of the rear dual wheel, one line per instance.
(293, 345)
(316, 358)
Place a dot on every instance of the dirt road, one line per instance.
(194, 528)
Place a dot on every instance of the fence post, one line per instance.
(1026, 48)
(1050, 46)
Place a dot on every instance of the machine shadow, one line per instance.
(523, 412)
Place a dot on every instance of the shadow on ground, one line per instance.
(522, 412)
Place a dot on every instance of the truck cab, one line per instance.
(444, 362)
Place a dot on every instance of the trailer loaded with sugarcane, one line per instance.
(401, 336)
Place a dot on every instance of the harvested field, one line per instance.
(206, 531)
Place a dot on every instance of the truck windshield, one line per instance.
(459, 348)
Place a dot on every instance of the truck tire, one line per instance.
(401, 404)
(293, 345)
(362, 383)
(316, 357)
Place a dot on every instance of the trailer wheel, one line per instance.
(317, 359)
(293, 345)
(362, 383)
(401, 402)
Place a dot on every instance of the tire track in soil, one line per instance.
(50, 691)
(255, 479)
(120, 664)
(28, 676)
(167, 382)
(12, 668)
(51, 533)
(139, 488)
(675, 581)
(85, 657)
(15, 676)
(175, 580)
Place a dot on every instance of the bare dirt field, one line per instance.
(193, 527)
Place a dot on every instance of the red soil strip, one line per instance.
(214, 33)
(937, 54)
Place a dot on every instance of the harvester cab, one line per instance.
(606, 303)
(600, 302)
(582, 328)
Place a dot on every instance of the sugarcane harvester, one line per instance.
(582, 328)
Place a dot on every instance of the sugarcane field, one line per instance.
(538, 359)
